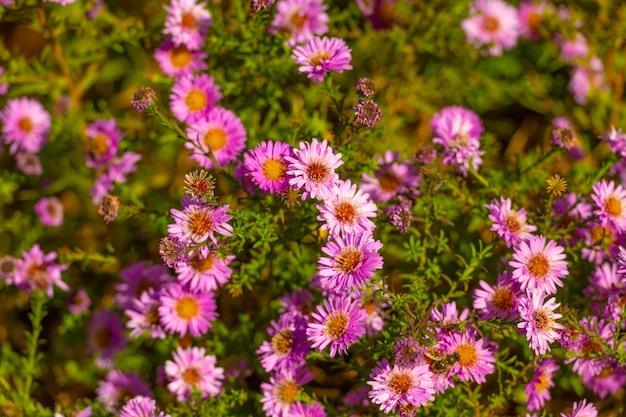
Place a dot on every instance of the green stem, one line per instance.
(38, 306)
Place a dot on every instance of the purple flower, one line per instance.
(530, 15)
(141, 406)
(321, 55)
(367, 113)
(492, 24)
(179, 61)
(585, 78)
(499, 301)
(36, 271)
(300, 19)
(50, 211)
(538, 388)
(193, 369)
(143, 315)
(312, 168)
(194, 96)
(300, 409)
(366, 87)
(28, 163)
(347, 210)
(25, 125)
(138, 278)
(284, 388)
(539, 265)
(582, 409)
(297, 302)
(204, 271)
(267, 166)
(103, 142)
(198, 222)
(590, 348)
(510, 224)
(288, 345)
(397, 386)
(574, 48)
(116, 171)
(477, 359)
(610, 379)
(563, 134)
(339, 323)
(187, 23)
(393, 177)
(105, 337)
(183, 310)
(610, 204)
(538, 320)
(78, 302)
(616, 141)
(118, 386)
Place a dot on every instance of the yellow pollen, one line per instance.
(512, 223)
(318, 57)
(400, 383)
(542, 321)
(281, 341)
(202, 265)
(468, 355)
(196, 100)
(543, 383)
(538, 266)
(188, 21)
(346, 213)
(503, 299)
(613, 206)
(200, 223)
(274, 169)
(298, 20)
(215, 139)
(287, 392)
(187, 308)
(490, 24)
(336, 324)
(317, 172)
(191, 376)
(388, 182)
(25, 124)
(180, 56)
(348, 259)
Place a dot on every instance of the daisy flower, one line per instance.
(539, 265)
(204, 271)
(297, 302)
(187, 23)
(300, 19)
(492, 24)
(105, 337)
(610, 204)
(283, 390)
(347, 210)
(321, 55)
(193, 369)
(393, 177)
(538, 320)
(609, 381)
(339, 323)
(352, 260)
(530, 15)
(219, 133)
(119, 386)
(103, 142)
(179, 61)
(312, 168)
(267, 166)
(36, 271)
(499, 301)
(138, 278)
(288, 345)
(198, 222)
(582, 409)
(193, 97)
(141, 406)
(25, 125)
(143, 316)
(183, 310)
(508, 223)
(538, 388)
(590, 348)
(477, 359)
(616, 141)
(300, 409)
(50, 211)
(397, 386)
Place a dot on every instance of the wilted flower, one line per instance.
(367, 113)
(143, 98)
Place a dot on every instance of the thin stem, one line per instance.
(38, 303)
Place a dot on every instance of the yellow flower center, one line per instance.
(281, 341)
(180, 56)
(543, 383)
(400, 383)
(196, 100)
(287, 392)
(202, 265)
(274, 169)
(187, 308)
(346, 213)
(613, 206)
(215, 139)
(25, 124)
(336, 324)
(468, 355)
(503, 299)
(191, 376)
(319, 56)
(539, 265)
(200, 223)
(348, 259)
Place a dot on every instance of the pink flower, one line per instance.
(530, 15)
(281, 393)
(499, 301)
(193, 369)
(300, 19)
(183, 311)
(321, 55)
(582, 409)
(510, 224)
(141, 406)
(204, 271)
(143, 315)
(36, 271)
(187, 23)
(538, 388)
(539, 265)
(492, 24)
(312, 168)
(477, 359)
(103, 142)
(194, 96)
(138, 278)
(118, 386)
(179, 61)
(25, 125)
(198, 222)
(610, 204)
(538, 320)
(50, 211)
(288, 345)
(105, 337)
(392, 178)
(267, 166)
(347, 210)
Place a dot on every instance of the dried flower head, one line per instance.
(143, 98)
(290, 197)
(172, 251)
(367, 113)
(366, 87)
(199, 184)
(109, 208)
(556, 185)
(257, 5)
(425, 154)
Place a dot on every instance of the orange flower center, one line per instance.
(188, 21)
(25, 124)
(317, 172)
(539, 265)
(490, 24)
(348, 259)
(202, 264)
(196, 100)
(287, 392)
(187, 308)
(274, 169)
(200, 223)
(468, 355)
(191, 376)
(102, 338)
(503, 299)
(319, 56)
(281, 341)
(512, 223)
(400, 383)
(298, 20)
(336, 324)
(180, 56)
(215, 139)
(389, 182)
(346, 213)
(543, 383)
(613, 206)
(542, 320)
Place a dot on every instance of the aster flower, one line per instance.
(288, 345)
(396, 386)
(367, 113)
(400, 217)
(366, 87)
(37, 271)
(199, 185)
(179, 61)
(187, 23)
(183, 310)
(300, 409)
(508, 223)
(587, 78)
(116, 171)
(283, 391)
(604, 279)
(563, 134)
(138, 278)
(28, 163)
(499, 301)
(539, 265)
(609, 381)
(204, 271)
(219, 133)
(143, 98)
(103, 141)
(602, 240)
(492, 24)
(193, 97)
(393, 177)
(119, 386)
(78, 301)
(538, 388)
(109, 208)
(172, 251)
(312, 168)
(267, 166)
(198, 222)
(25, 125)
(8, 267)
(582, 409)
(141, 406)
(477, 359)
(590, 345)
(610, 204)
(338, 323)
(193, 369)
(616, 141)
(530, 15)
(574, 48)
(143, 315)
(321, 55)
(300, 19)
(50, 211)
(105, 337)
(407, 352)
(347, 210)
(572, 209)
(538, 320)
(298, 302)
(448, 315)
(352, 260)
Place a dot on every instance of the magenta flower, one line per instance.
(267, 166)
(492, 24)
(105, 337)
(141, 406)
(539, 265)
(610, 204)
(510, 224)
(28, 163)
(574, 48)
(538, 320)
(143, 315)
(283, 390)
(312, 168)
(118, 386)
(339, 323)
(347, 210)
(103, 142)
(477, 358)
(198, 222)
(193, 97)
(116, 171)
(587, 78)
(77, 301)
(183, 310)
(530, 15)
(392, 178)
(25, 125)
(321, 55)
(193, 369)
(204, 271)
(393, 387)
(50, 211)
(298, 302)
(589, 346)
(219, 133)
(352, 261)
(179, 61)
(499, 301)
(609, 381)
(300, 19)
(288, 345)
(300, 409)
(582, 409)
(187, 23)
(138, 278)
(36, 271)
(616, 141)
(538, 388)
